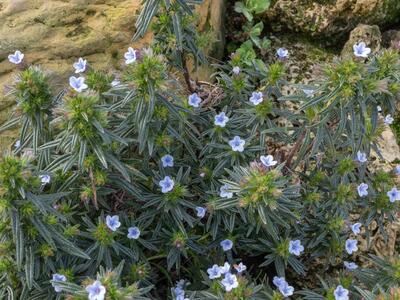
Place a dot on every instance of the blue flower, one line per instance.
(279, 281)
(16, 58)
(45, 179)
(362, 189)
(350, 265)
(360, 50)
(341, 293)
(221, 119)
(194, 100)
(96, 291)
(130, 56)
(351, 246)
(225, 268)
(356, 228)
(226, 245)
(133, 233)
(397, 170)
(113, 222)
(167, 184)
(393, 194)
(240, 268)
(286, 290)
(17, 144)
(282, 53)
(308, 92)
(230, 282)
(80, 65)
(214, 272)
(256, 98)
(361, 157)
(295, 247)
(236, 70)
(268, 160)
(388, 120)
(58, 278)
(78, 84)
(201, 211)
(237, 144)
(167, 161)
(224, 192)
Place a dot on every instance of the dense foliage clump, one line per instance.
(141, 187)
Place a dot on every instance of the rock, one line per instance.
(331, 18)
(370, 35)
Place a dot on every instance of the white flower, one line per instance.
(237, 144)
(16, 58)
(78, 84)
(236, 70)
(224, 192)
(45, 179)
(268, 160)
(225, 268)
(80, 65)
(388, 120)
(130, 56)
(360, 50)
(96, 291)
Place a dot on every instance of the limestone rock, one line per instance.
(370, 35)
(332, 18)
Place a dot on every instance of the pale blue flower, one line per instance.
(80, 65)
(286, 290)
(362, 189)
(17, 144)
(226, 245)
(167, 161)
(295, 247)
(221, 119)
(268, 160)
(309, 92)
(201, 211)
(113, 222)
(230, 282)
(350, 265)
(115, 83)
(130, 56)
(225, 268)
(256, 98)
(356, 228)
(45, 179)
(194, 100)
(236, 70)
(351, 246)
(360, 50)
(214, 272)
(282, 53)
(388, 120)
(224, 192)
(133, 233)
(167, 184)
(240, 268)
(58, 278)
(237, 144)
(341, 293)
(16, 58)
(378, 108)
(279, 281)
(361, 157)
(397, 170)
(96, 291)
(78, 84)
(393, 194)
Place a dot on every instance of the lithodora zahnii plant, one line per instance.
(141, 187)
